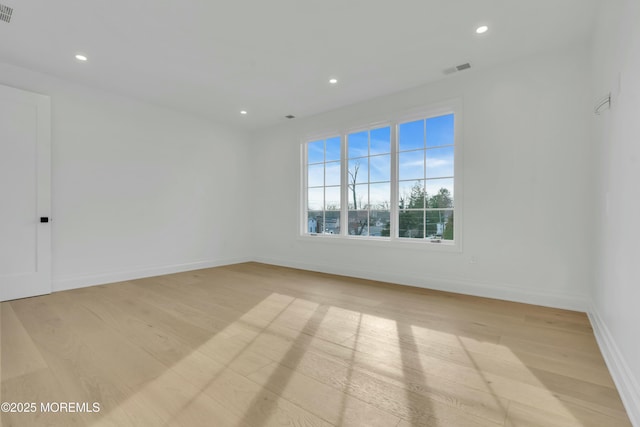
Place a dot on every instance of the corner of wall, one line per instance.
(626, 383)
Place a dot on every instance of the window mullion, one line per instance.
(344, 187)
(304, 227)
(393, 214)
(426, 196)
(324, 191)
(368, 206)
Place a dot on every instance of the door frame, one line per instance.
(41, 281)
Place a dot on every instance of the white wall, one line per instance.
(137, 190)
(616, 293)
(526, 159)
(140, 190)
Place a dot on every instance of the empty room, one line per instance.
(337, 213)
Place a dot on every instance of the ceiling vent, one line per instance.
(5, 13)
(457, 68)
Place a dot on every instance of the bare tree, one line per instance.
(358, 224)
(353, 175)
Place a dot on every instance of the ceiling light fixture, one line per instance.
(482, 29)
(333, 81)
(81, 57)
(243, 112)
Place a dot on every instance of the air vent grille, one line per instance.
(456, 68)
(5, 13)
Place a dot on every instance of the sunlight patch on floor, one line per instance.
(217, 359)
(510, 378)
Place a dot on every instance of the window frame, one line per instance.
(303, 228)
(393, 240)
(345, 189)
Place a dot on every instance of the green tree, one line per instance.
(441, 200)
(418, 196)
(411, 213)
(386, 230)
(436, 219)
(412, 221)
(448, 228)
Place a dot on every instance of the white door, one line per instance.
(25, 194)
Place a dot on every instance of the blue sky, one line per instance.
(421, 142)
(439, 132)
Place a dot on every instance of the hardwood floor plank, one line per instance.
(38, 387)
(258, 345)
(85, 372)
(420, 405)
(558, 323)
(256, 405)
(326, 402)
(522, 415)
(24, 357)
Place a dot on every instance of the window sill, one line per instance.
(383, 242)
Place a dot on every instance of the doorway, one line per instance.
(25, 194)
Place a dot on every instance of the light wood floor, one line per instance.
(257, 345)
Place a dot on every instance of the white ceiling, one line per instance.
(275, 57)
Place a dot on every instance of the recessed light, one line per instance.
(81, 57)
(482, 29)
(243, 112)
(333, 81)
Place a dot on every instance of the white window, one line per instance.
(323, 189)
(426, 178)
(369, 182)
(391, 182)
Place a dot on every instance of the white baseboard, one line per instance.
(488, 290)
(626, 383)
(497, 291)
(66, 283)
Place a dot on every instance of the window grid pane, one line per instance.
(323, 186)
(439, 131)
(369, 181)
(439, 224)
(425, 175)
(423, 186)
